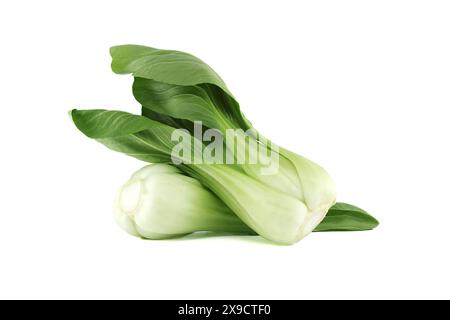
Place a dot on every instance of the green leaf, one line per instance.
(98, 123)
(180, 102)
(169, 66)
(178, 69)
(134, 135)
(346, 217)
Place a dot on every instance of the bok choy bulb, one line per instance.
(159, 202)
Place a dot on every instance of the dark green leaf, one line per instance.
(98, 123)
(180, 102)
(346, 217)
(134, 135)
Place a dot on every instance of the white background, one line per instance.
(361, 87)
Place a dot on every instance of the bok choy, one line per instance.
(282, 197)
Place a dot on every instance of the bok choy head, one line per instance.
(177, 91)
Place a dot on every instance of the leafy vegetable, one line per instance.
(176, 91)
